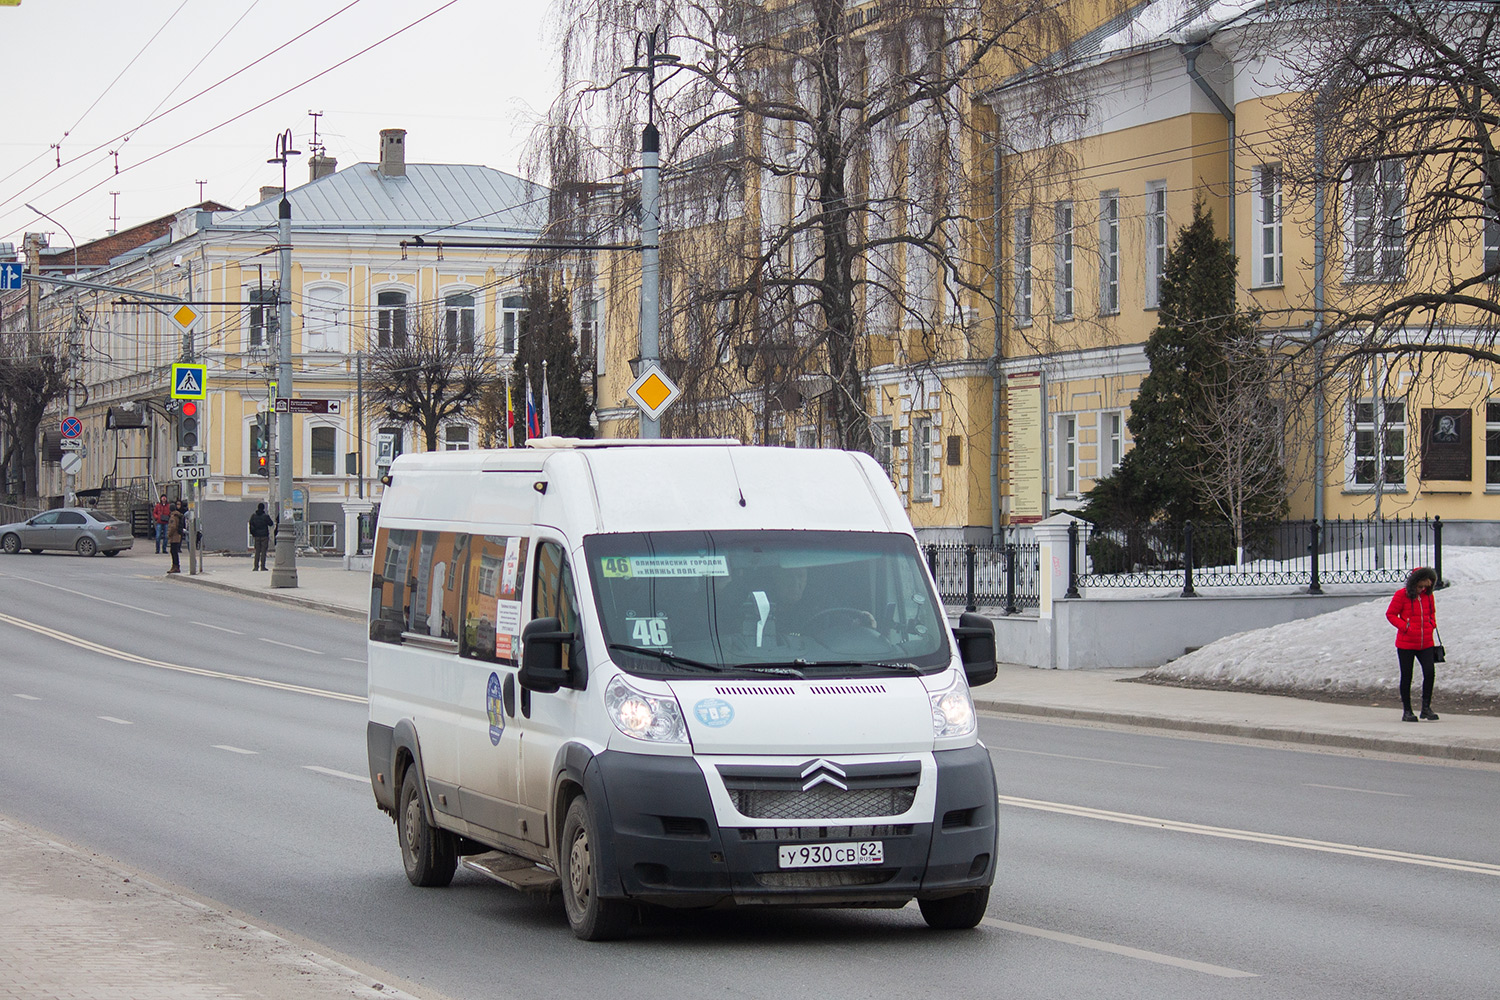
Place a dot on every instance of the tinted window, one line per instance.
(70, 517)
(392, 583)
(46, 517)
(492, 608)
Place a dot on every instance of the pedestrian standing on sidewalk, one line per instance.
(260, 534)
(160, 513)
(175, 534)
(1414, 613)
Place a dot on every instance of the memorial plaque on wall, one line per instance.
(1447, 445)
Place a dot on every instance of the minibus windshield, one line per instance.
(784, 603)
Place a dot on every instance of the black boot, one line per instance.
(1407, 716)
(1429, 714)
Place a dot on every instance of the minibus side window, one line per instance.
(555, 597)
(391, 583)
(496, 578)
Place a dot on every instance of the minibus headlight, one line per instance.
(644, 716)
(953, 710)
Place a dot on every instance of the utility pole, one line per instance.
(284, 566)
(654, 45)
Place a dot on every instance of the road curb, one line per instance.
(276, 598)
(1381, 744)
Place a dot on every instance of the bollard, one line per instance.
(1010, 579)
(1073, 560)
(1315, 549)
(1437, 552)
(969, 572)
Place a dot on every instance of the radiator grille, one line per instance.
(822, 802)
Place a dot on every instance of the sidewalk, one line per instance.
(1086, 695)
(79, 927)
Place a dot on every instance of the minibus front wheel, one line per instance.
(956, 913)
(592, 917)
(428, 854)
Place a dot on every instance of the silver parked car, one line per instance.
(79, 529)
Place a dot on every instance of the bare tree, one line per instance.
(819, 214)
(1396, 121)
(34, 374)
(432, 372)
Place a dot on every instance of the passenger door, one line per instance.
(547, 720)
(70, 525)
(38, 532)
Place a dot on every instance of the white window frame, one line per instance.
(326, 319)
(449, 444)
(1109, 253)
(807, 437)
(459, 320)
(512, 308)
(1062, 275)
(311, 431)
(1268, 258)
(1021, 304)
(1066, 455)
(1111, 441)
(261, 317)
(1376, 449)
(880, 434)
(1156, 240)
(1492, 445)
(391, 316)
(921, 458)
(322, 535)
(1375, 221)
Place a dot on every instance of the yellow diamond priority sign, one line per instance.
(653, 392)
(185, 316)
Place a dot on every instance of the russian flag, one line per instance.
(533, 418)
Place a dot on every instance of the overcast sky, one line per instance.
(467, 83)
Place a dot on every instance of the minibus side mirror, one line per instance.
(541, 656)
(975, 635)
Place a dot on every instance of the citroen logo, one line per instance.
(820, 772)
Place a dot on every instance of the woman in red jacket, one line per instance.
(1414, 614)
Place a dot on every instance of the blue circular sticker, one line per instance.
(714, 713)
(492, 706)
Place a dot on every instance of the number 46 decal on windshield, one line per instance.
(649, 631)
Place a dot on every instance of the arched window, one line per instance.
(390, 319)
(511, 309)
(323, 326)
(458, 322)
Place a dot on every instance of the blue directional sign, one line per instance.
(10, 276)
(189, 381)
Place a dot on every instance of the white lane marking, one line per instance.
(118, 722)
(362, 779)
(350, 659)
(218, 628)
(300, 649)
(1277, 840)
(101, 600)
(27, 697)
(1091, 760)
(1120, 949)
(1366, 791)
(226, 746)
(145, 661)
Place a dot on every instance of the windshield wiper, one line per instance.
(884, 665)
(663, 655)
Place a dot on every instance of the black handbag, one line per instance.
(1439, 655)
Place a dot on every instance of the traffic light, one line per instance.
(187, 426)
(260, 450)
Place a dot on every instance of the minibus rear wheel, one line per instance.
(592, 918)
(956, 913)
(430, 855)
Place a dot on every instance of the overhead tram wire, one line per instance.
(110, 86)
(186, 101)
(270, 100)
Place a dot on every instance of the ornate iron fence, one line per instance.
(1283, 553)
(1007, 576)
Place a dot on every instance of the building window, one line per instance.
(1268, 225)
(1379, 444)
(512, 307)
(1492, 445)
(458, 323)
(322, 535)
(1022, 304)
(456, 437)
(1067, 455)
(880, 434)
(390, 319)
(807, 437)
(323, 327)
(1063, 273)
(1109, 252)
(921, 458)
(1491, 233)
(1156, 240)
(1114, 442)
(263, 317)
(323, 455)
(588, 324)
(1375, 222)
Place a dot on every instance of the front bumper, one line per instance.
(663, 843)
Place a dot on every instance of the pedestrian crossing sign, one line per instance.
(189, 381)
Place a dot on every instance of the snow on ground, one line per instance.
(1353, 650)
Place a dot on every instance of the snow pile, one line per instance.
(1353, 650)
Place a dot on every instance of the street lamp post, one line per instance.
(75, 351)
(652, 45)
(284, 566)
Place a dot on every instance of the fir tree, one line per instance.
(546, 334)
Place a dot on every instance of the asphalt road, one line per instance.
(1132, 864)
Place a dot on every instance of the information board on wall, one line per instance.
(1024, 406)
